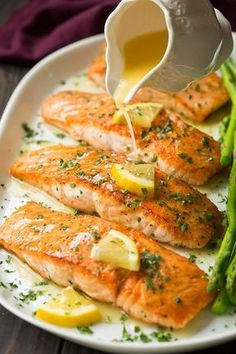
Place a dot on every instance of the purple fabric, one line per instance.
(42, 26)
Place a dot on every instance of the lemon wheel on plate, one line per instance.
(69, 309)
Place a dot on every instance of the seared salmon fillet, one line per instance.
(80, 178)
(180, 149)
(58, 245)
(195, 103)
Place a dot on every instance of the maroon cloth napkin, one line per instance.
(42, 26)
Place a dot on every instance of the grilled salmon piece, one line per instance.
(80, 178)
(58, 245)
(195, 103)
(181, 149)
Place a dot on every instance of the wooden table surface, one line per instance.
(17, 336)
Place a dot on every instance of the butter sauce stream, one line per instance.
(141, 54)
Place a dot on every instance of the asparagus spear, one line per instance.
(231, 281)
(231, 271)
(228, 70)
(227, 145)
(217, 278)
(223, 128)
(221, 304)
(231, 66)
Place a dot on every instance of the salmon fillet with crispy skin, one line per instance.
(80, 178)
(195, 103)
(58, 245)
(180, 149)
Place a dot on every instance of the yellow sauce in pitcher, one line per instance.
(141, 54)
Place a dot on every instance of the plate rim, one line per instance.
(108, 346)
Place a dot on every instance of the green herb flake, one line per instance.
(30, 296)
(85, 330)
(29, 132)
(149, 284)
(192, 258)
(96, 236)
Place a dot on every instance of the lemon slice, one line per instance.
(137, 179)
(140, 114)
(118, 249)
(69, 309)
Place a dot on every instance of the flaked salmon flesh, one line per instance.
(195, 103)
(58, 245)
(80, 178)
(176, 147)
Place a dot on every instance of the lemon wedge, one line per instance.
(140, 114)
(137, 179)
(69, 309)
(118, 249)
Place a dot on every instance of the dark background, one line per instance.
(16, 336)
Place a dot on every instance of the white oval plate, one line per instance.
(16, 279)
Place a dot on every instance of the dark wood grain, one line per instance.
(10, 75)
(18, 337)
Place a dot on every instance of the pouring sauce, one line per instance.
(141, 54)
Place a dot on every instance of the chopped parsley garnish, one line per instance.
(162, 336)
(154, 158)
(100, 159)
(85, 330)
(8, 259)
(192, 258)
(178, 300)
(96, 236)
(70, 163)
(206, 141)
(31, 295)
(150, 260)
(185, 156)
(41, 283)
(60, 135)
(78, 212)
(133, 203)
(144, 133)
(162, 131)
(138, 335)
(149, 284)
(181, 223)
(144, 191)
(189, 198)
(124, 317)
(29, 133)
(2, 285)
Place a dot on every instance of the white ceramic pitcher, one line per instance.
(199, 40)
